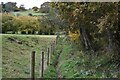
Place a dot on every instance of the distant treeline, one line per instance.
(24, 25)
(11, 7)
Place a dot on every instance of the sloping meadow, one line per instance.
(16, 54)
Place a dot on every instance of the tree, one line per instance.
(52, 22)
(22, 8)
(28, 23)
(35, 8)
(45, 8)
(74, 14)
(6, 22)
(10, 23)
(19, 23)
(85, 18)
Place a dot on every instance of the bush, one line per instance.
(52, 33)
(46, 33)
(43, 33)
(33, 32)
(40, 32)
(29, 32)
(30, 14)
(13, 32)
(23, 32)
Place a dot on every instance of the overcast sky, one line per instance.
(27, 3)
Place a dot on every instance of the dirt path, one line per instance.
(56, 67)
(57, 62)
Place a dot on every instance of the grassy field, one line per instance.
(25, 13)
(16, 50)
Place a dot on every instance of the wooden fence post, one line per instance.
(56, 40)
(57, 37)
(42, 70)
(51, 48)
(33, 65)
(48, 57)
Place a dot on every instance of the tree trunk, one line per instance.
(85, 39)
(82, 38)
(109, 39)
(113, 46)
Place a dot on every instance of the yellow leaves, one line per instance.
(74, 35)
(22, 22)
(26, 18)
(28, 21)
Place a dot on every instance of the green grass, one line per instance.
(16, 57)
(72, 62)
(0, 56)
(51, 71)
(25, 13)
(76, 64)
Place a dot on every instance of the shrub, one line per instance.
(51, 33)
(13, 32)
(30, 14)
(29, 32)
(46, 33)
(40, 32)
(33, 32)
(23, 32)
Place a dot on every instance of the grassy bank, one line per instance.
(0, 56)
(16, 50)
(74, 63)
(51, 72)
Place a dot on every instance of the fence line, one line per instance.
(50, 52)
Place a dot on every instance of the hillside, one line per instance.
(66, 62)
(16, 50)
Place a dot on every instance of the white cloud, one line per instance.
(27, 3)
